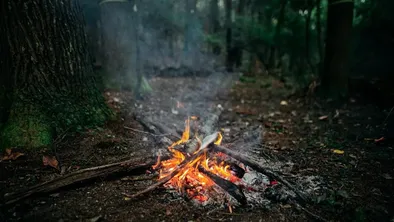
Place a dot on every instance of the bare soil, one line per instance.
(358, 184)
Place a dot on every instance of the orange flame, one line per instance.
(190, 179)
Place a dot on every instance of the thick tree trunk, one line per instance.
(214, 14)
(53, 87)
(336, 61)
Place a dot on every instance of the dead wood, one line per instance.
(185, 163)
(260, 169)
(226, 185)
(78, 177)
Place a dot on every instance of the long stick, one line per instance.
(79, 176)
(260, 169)
(164, 180)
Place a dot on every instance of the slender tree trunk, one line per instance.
(136, 49)
(229, 46)
(238, 41)
(274, 49)
(214, 14)
(319, 35)
(53, 86)
(336, 60)
(307, 30)
(190, 8)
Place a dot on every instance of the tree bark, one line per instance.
(53, 86)
(336, 61)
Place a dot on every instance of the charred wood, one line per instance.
(256, 166)
(226, 185)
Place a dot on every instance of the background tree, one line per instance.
(337, 53)
(49, 82)
(229, 36)
(215, 24)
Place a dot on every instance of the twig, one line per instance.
(317, 217)
(140, 131)
(139, 178)
(260, 169)
(388, 115)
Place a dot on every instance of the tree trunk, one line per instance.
(53, 86)
(230, 55)
(238, 41)
(190, 8)
(319, 35)
(336, 62)
(307, 30)
(214, 14)
(274, 49)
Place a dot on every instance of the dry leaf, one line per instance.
(50, 161)
(323, 117)
(10, 155)
(284, 103)
(338, 151)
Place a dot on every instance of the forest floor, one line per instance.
(357, 184)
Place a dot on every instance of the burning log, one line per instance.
(188, 162)
(78, 177)
(226, 185)
(260, 169)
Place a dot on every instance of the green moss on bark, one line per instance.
(26, 127)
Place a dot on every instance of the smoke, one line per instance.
(156, 38)
(134, 38)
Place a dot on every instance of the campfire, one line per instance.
(203, 170)
(199, 169)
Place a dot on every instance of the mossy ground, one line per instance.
(36, 125)
(26, 127)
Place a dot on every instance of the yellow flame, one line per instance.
(190, 174)
(219, 139)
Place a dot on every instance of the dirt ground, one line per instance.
(318, 138)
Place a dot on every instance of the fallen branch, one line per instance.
(79, 176)
(260, 169)
(144, 132)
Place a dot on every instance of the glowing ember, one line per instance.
(190, 180)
